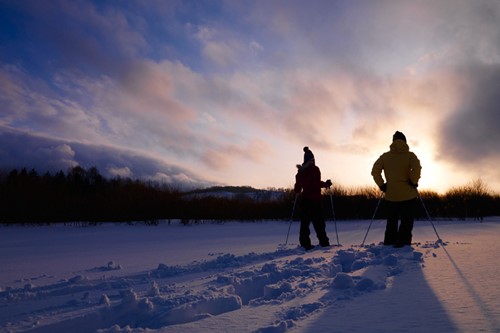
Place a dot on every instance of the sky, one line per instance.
(200, 93)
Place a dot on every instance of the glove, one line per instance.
(328, 183)
(383, 187)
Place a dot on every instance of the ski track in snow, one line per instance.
(430, 286)
(292, 283)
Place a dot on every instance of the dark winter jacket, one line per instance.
(308, 181)
(401, 169)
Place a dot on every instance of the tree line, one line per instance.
(84, 195)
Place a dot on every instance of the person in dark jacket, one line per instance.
(402, 172)
(308, 184)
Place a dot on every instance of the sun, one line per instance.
(435, 175)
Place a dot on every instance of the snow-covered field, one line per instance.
(238, 277)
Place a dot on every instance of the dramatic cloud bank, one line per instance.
(20, 149)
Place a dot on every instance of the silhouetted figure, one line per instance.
(308, 184)
(402, 172)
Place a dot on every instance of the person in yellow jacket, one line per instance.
(402, 172)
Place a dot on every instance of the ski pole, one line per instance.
(291, 218)
(334, 219)
(430, 220)
(373, 217)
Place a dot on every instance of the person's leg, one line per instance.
(319, 223)
(391, 228)
(304, 239)
(320, 228)
(407, 219)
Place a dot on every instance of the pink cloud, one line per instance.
(226, 155)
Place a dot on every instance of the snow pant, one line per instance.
(402, 234)
(312, 212)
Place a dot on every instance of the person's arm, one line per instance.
(322, 184)
(298, 186)
(377, 168)
(415, 169)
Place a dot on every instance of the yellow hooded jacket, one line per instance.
(401, 169)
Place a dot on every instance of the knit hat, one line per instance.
(308, 155)
(399, 135)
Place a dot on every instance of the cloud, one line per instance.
(220, 53)
(18, 151)
(222, 157)
(161, 107)
(29, 102)
(221, 47)
(23, 150)
(85, 37)
(123, 172)
(147, 89)
(470, 135)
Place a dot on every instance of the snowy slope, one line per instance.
(239, 277)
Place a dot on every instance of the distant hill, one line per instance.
(236, 192)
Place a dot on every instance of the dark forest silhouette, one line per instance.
(84, 195)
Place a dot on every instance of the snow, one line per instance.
(240, 277)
